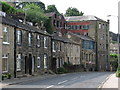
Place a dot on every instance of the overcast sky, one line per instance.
(99, 8)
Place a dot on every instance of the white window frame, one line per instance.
(19, 37)
(99, 25)
(45, 42)
(18, 61)
(45, 61)
(53, 46)
(5, 31)
(38, 41)
(29, 39)
(39, 62)
(5, 57)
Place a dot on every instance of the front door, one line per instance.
(54, 64)
(30, 64)
(26, 65)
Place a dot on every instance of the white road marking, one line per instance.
(74, 78)
(62, 82)
(50, 86)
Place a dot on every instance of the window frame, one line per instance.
(29, 39)
(18, 58)
(19, 40)
(5, 57)
(5, 35)
(45, 42)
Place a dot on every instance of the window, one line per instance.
(29, 39)
(57, 23)
(45, 61)
(18, 63)
(86, 27)
(38, 40)
(80, 27)
(53, 46)
(19, 37)
(103, 26)
(59, 46)
(5, 35)
(45, 42)
(99, 25)
(39, 62)
(54, 22)
(4, 63)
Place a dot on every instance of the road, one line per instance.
(71, 80)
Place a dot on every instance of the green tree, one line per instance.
(48, 26)
(73, 12)
(34, 14)
(114, 60)
(38, 3)
(52, 8)
(7, 8)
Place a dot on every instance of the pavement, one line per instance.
(111, 82)
(19, 80)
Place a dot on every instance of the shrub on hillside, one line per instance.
(118, 72)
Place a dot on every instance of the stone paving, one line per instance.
(112, 82)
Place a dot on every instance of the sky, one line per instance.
(99, 8)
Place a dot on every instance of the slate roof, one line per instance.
(50, 14)
(83, 37)
(14, 23)
(63, 39)
(83, 18)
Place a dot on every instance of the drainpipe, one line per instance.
(96, 41)
(15, 51)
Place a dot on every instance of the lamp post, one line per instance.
(118, 38)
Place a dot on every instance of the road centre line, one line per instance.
(63, 82)
(50, 86)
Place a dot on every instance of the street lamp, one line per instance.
(117, 36)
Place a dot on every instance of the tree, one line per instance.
(73, 12)
(34, 14)
(38, 3)
(114, 61)
(52, 8)
(7, 8)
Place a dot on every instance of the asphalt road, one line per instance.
(71, 80)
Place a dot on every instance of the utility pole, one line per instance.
(119, 33)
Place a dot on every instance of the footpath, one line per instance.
(111, 83)
(23, 79)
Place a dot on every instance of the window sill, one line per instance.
(6, 43)
(18, 70)
(54, 51)
(45, 67)
(5, 71)
(38, 67)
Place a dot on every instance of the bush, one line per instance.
(118, 72)
(6, 76)
(62, 70)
